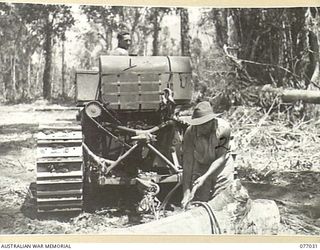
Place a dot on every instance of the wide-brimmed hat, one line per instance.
(202, 113)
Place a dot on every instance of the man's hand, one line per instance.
(185, 201)
(198, 183)
(189, 196)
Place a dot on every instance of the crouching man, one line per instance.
(207, 165)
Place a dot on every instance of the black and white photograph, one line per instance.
(147, 120)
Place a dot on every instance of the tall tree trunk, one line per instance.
(11, 88)
(55, 90)
(63, 70)
(108, 40)
(136, 19)
(221, 26)
(233, 38)
(48, 62)
(140, 44)
(28, 83)
(286, 45)
(14, 80)
(143, 40)
(134, 32)
(38, 72)
(184, 32)
(156, 29)
(312, 24)
(2, 80)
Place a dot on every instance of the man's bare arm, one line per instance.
(188, 148)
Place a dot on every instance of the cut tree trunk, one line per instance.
(233, 209)
(293, 95)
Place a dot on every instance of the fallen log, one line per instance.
(293, 95)
(233, 213)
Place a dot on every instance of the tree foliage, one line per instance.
(272, 47)
(49, 22)
(154, 16)
(140, 22)
(16, 47)
(244, 48)
(108, 18)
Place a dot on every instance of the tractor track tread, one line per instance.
(58, 193)
(59, 168)
(58, 174)
(61, 210)
(73, 128)
(50, 142)
(48, 182)
(74, 199)
(59, 160)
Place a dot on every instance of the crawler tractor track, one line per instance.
(59, 168)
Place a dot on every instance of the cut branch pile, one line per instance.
(271, 141)
(279, 158)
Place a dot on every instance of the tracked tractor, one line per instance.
(128, 131)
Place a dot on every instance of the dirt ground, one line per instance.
(275, 161)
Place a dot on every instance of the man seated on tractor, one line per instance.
(124, 42)
(207, 165)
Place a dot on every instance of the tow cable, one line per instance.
(215, 228)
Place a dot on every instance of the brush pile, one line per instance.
(279, 158)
